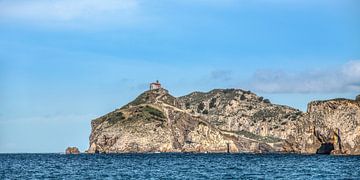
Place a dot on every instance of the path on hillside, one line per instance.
(201, 119)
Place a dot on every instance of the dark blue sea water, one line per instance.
(178, 166)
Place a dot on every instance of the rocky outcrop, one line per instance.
(72, 150)
(357, 98)
(239, 111)
(328, 127)
(336, 125)
(154, 122)
(226, 119)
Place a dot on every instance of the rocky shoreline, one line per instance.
(226, 120)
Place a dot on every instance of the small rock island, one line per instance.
(226, 120)
(72, 150)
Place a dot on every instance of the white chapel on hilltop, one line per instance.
(155, 85)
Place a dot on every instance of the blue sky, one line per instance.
(64, 63)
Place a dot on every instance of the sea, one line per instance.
(178, 166)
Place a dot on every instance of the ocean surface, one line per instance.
(178, 166)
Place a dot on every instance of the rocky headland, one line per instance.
(227, 120)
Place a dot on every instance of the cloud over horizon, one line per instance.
(342, 79)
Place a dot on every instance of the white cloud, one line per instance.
(343, 79)
(351, 71)
(69, 12)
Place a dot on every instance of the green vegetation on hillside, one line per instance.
(116, 117)
(153, 111)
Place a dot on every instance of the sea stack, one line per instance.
(72, 150)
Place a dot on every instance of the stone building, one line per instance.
(155, 85)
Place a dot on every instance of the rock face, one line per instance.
(155, 122)
(226, 119)
(244, 112)
(357, 98)
(72, 150)
(333, 126)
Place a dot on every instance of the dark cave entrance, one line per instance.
(325, 148)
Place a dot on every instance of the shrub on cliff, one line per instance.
(242, 97)
(212, 103)
(118, 116)
(205, 112)
(153, 111)
(267, 101)
(201, 107)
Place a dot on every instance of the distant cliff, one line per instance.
(331, 126)
(226, 120)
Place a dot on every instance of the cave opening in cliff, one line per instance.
(325, 148)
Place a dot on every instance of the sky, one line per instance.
(66, 62)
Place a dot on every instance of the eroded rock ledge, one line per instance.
(226, 120)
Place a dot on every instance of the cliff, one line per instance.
(330, 126)
(225, 120)
(154, 122)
